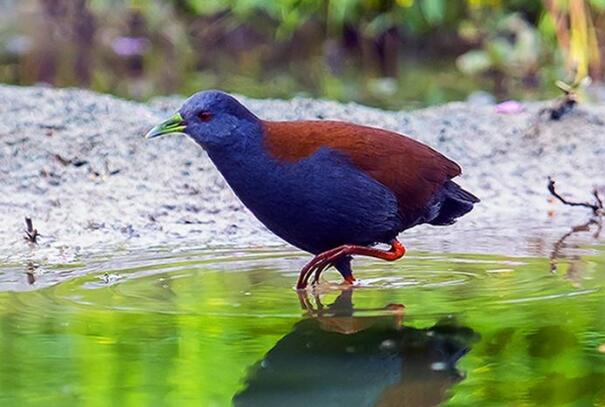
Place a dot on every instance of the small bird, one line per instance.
(333, 189)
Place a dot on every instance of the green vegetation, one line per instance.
(389, 53)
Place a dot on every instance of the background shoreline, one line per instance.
(76, 162)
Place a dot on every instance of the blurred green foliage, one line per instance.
(388, 53)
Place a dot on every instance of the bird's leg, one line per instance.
(307, 270)
(343, 265)
(325, 259)
(350, 279)
(318, 270)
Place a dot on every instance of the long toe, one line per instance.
(320, 268)
(350, 279)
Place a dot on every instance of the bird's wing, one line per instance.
(412, 170)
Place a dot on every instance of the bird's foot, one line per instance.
(321, 262)
(326, 259)
(316, 265)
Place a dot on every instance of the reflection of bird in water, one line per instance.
(338, 317)
(338, 359)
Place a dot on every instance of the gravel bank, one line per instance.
(76, 162)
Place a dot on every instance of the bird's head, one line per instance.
(211, 118)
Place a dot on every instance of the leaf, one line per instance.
(379, 25)
(433, 10)
(474, 62)
(206, 7)
(598, 4)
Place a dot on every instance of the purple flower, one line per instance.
(19, 44)
(130, 46)
(509, 107)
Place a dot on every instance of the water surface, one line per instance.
(221, 327)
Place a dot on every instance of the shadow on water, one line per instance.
(334, 358)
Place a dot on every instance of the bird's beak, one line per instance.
(173, 125)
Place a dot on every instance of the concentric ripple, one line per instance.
(259, 282)
(201, 326)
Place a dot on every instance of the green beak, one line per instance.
(174, 125)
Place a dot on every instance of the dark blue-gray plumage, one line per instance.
(333, 189)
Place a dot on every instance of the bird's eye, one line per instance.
(204, 116)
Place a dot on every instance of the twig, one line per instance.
(597, 207)
(564, 106)
(560, 244)
(568, 101)
(30, 272)
(597, 198)
(561, 106)
(597, 219)
(31, 234)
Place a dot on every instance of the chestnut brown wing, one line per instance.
(412, 170)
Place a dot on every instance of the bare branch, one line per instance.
(595, 193)
(597, 208)
(31, 234)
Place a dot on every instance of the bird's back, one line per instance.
(413, 171)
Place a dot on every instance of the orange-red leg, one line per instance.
(323, 260)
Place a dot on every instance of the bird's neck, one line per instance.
(244, 162)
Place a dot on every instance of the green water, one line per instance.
(207, 328)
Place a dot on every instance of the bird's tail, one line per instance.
(454, 202)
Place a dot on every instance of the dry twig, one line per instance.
(31, 234)
(597, 212)
(560, 244)
(568, 101)
(596, 207)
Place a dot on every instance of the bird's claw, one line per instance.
(326, 259)
(316, 266)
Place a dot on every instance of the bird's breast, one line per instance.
(315, 203)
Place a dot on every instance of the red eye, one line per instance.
(204, 116)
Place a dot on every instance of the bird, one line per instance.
(334, 189)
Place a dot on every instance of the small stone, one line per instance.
(387, 344)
